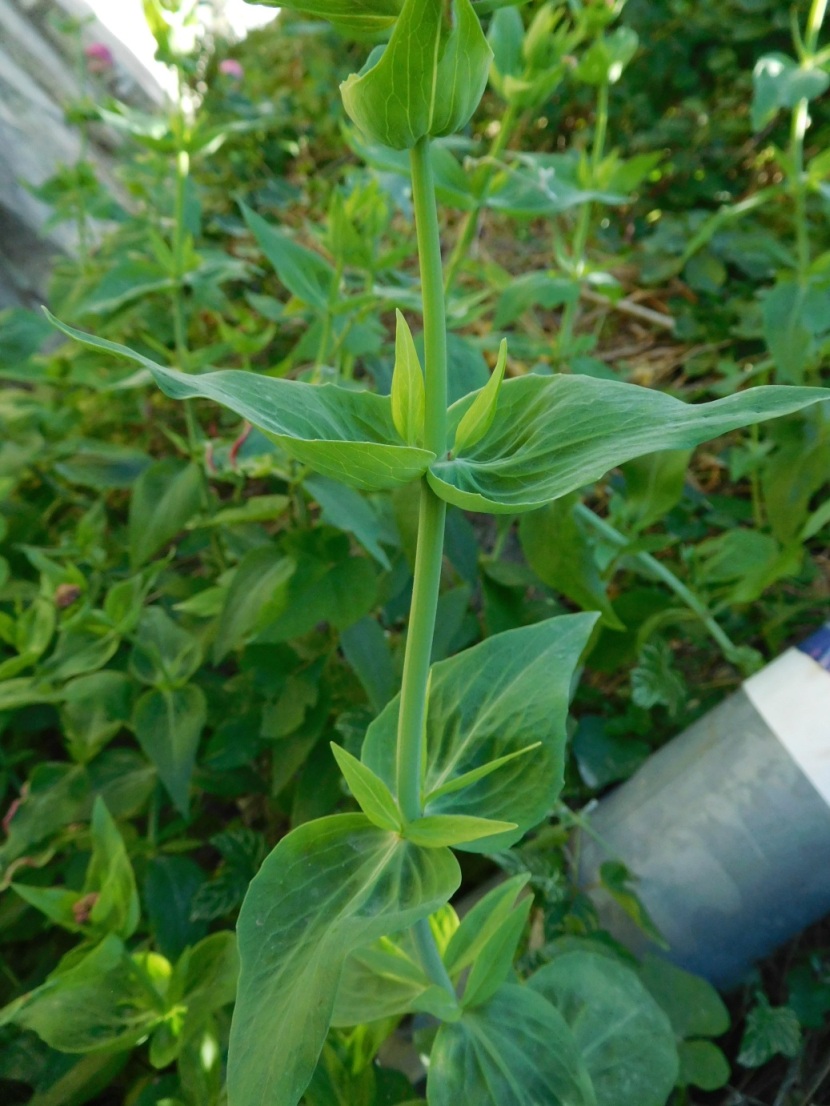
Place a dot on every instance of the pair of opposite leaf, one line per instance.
(409, 400)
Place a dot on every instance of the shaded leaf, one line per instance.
(168, 725)
(623, 1036)
(298, 924)
(515, 1050)
(490, 701)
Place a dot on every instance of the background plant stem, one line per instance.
(583, 225)
(481, 181)
(662, 572)
(800, 123)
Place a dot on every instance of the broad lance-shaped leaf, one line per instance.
(327, 888)
(515, 1050)
(343, 434)
(552, 435)
(428, 80)
(486, 703)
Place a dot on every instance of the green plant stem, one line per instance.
(482, 182)
(430, 546)
(800, 123)
(182, 174)
(585, 218)
(664, 573)
(328, 319)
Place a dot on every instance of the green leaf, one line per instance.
(479, 416)
(428, 80)
(780, 82)
(349, 510)
(620, 885)
(788, 338)
(327, 888)
(553, 435)
(693, 1006)
(543, 185)
(165, 498)
(488, 702)
(481, 924)
(366, 649)
(95, 708)
(655, 680)
(604, 60)
(515, 1050)
(258, 594)
(102, 1002)
(164, 654)
(363, 16)
(703, 1065)
(305, 274)
(168, 725)
(435, 830)
(345, 434)
(531, 290)
(170, 885)
(769, 1030)
(407, 386)
(494, 962)
(624, 1037)
(386, 979)
(110, 877)
(653, 485)
(559, 550)
(371, 793)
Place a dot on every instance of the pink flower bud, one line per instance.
(99, 57)
(230, 67)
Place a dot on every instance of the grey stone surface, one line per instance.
(39, 76)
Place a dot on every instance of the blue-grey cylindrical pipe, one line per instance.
(727, 827)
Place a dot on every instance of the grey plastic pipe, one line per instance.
(727, 827)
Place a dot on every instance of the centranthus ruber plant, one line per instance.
(348, 920)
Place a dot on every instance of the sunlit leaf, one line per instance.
(348, 435)
(552, 435)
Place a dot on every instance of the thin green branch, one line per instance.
(662, 572)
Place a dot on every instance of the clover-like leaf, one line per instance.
(344, 434)
(552, 435)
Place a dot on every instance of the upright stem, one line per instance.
(583, 224)
(430, 546)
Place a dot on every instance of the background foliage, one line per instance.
(188, 618)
